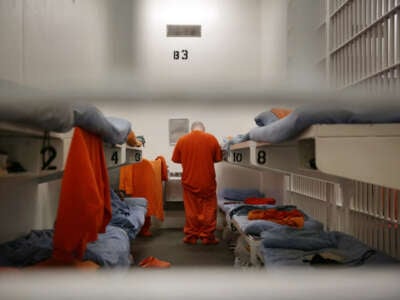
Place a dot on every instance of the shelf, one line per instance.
(279, 157)
(363, 152)
(15, 130)
(24, 145)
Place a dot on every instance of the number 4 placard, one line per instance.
(113, 155)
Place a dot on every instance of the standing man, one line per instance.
(197, 151)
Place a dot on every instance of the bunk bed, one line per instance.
(35, 143)
(336, 154)
(111, 249)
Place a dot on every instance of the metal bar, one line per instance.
(362, 31)
(368, 52)
(373, 50)
(381, 72)
(381, 202)
(337, 8)
(397, 33)
(385, 43)
(391, 54)
(393, 205)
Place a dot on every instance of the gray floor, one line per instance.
(166, 244)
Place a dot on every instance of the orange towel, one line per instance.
(132, 141)
(164, 167)
(294, 217)
(152, 262)
(84, 208)
(143, 179)
(254, 200)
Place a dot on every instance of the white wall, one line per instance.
(227, 52)
(151, 120)
(46, 43)
(301, 44)
(273, 42)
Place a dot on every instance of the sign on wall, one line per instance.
(177, 128)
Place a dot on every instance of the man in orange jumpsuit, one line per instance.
(197, 151)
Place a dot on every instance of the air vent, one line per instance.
(183, 30)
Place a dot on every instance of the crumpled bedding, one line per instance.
(292, 247)
(113, 130)
(240, 194)
(50, 117)
(340, 113)
(257, 227)
(227, 205)
(128, 214)
(62, 117)
(111, 249)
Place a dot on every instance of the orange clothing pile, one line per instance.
(254, 200)
(143, 179)
(132, 141)
(293, 218)
(84, 208)
(153, 262)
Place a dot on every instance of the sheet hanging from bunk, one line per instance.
(144, 179)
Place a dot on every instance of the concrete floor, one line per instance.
(166, 244)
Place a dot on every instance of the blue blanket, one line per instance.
(129, 214)
(307, 115)
(243, 210)
(256, 227)
(294, 247)
(240, 194)
(112, 130)
(112, 249)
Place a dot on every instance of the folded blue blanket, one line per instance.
(301, 239)
(240, 194)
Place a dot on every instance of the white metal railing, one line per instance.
(375, 217)
(318, 198)
(364, 44)
(368, 212)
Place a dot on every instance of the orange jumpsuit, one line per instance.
(197, 151)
